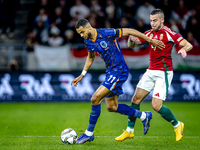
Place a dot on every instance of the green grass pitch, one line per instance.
(37, 126)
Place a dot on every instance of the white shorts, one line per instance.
(156, 80)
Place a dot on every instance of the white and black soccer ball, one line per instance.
(69, 136)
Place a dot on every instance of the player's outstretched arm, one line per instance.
(186, 47)
(88, 63)
(155, 43)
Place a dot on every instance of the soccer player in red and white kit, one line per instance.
(159, 75)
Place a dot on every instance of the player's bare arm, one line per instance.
(133, 42)
(89, 60)
(88, 63)
(186, 47)
(155, 43)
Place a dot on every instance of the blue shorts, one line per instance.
(114, 82)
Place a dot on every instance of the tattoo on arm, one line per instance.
(137, 43)
(132, 44)
(92, 55)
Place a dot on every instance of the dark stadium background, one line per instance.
(41, 54)
(40, 51)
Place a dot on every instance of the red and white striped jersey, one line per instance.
(162, 59)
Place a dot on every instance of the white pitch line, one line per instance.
(189, 137)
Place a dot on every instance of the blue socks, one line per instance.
(94, 115)
(122, 109)
(127, 110)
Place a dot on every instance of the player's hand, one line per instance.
(182, 52)
(78, 79)
(158, 44)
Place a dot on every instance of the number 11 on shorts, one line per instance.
(111, 77)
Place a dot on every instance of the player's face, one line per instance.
(84, 32)
(156, 22)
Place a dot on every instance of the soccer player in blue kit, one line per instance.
(103, 41)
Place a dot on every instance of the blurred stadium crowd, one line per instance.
(51, 22)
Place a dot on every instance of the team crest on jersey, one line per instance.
(161, 37)
(104, 45)
(150, 36)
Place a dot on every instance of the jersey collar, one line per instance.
(160, 29)
(95, 34)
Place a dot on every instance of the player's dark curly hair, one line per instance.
(159, 12)
(81, 23)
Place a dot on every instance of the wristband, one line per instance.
(84, 72)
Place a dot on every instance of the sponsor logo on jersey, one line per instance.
(104, 45)
(161, 37)
(150, 36)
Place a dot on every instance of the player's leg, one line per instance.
(137, 98)
(96, 100)
(166, 113)
(160, 92)
(145, 85)
(139, 95)
(113, 106)
(112, 102)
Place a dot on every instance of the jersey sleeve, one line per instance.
(89, 47)
(173, 36)
(113, 33)
(177, 38)
(142, 40)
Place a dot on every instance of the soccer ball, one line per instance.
(69, 136)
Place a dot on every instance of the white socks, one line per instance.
(143, 116)
(177, 125)
(129, 130)
(89, 133)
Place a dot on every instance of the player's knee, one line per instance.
(156, 106)
(111, 108)
(95, 100)
(135, 100)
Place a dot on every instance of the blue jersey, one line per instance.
(106, 45)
